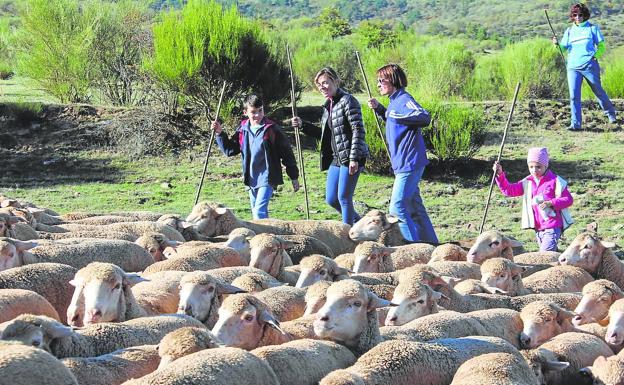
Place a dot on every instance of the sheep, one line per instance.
(255, 282)
(268, 253)
(225, 274)
(414, 299)
(349, 316)
(201, 294)
(578, 350)
(50, 280)
(185, 341)
(116, 367)
(463, 270)
(407, 362)
(92, 340)
(97, 233)
(495, 368)
(491, 244)
(474, 286)
(101, 220)
(125, 254)
(14, 302)
(608, 371)
(448, 252)
(132, 216)
(188, 230)
(373, 257)
(379, 227)
(136, 229)
(538, 258)
(305, 245)
(285, 302)
(155, 244)
(506, 275)
(212, 219)
(213, 366)
(197, 255)
(13, 226)
(542, 321)
(316, 296)
(588, 252)
(598, 296)
(305, 361)
(161, 293)
(615, 333)
(238, 239)
(346, 261)
(27, 365)
(316, 268)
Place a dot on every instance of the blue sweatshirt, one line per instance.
(404, 120)
(581, 41)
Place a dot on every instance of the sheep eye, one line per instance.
(117, 286)
(420, 301)
(249, 318)
(357, 303)
(495, 243)
(502, 275)
(210, 289)
(323, 272)
(36, 343)
(587, 246)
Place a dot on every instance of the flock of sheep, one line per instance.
(147, 298)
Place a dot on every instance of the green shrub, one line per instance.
(53, 47)
(486, 82)
(199, 47)
(6, 57)
(612, 77)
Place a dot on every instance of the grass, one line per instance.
(104, 181)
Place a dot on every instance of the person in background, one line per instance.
(545, 198)
(405, 119)
(585, 45)
(343, 146)
(262, 145)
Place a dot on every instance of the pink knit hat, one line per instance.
(538, 154)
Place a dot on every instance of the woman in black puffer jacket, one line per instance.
(343, 146)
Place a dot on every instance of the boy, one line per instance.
(262, 146)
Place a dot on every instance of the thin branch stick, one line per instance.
(555, 35)
(212, 133)
(500, 153)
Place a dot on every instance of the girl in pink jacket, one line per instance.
(545, 198)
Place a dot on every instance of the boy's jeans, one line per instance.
(407, 205)
(591, 73)
(259, 199)
(547, 239)
(339, 192)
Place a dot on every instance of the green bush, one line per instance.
(53, 47)
(6, 57)
(456, 132)
(199, 47)
(612, 77)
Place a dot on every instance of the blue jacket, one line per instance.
(581, 42)
(276, 148)
(404, 120)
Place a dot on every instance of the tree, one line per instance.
(376, 33)
(333, 23)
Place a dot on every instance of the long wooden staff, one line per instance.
(381, 135)
(212, 133)
(500, 153)
(297, 137)
(555, 35)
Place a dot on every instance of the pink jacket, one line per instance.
(546, 188)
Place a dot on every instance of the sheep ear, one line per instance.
(220, 211)
(185, 224)
(563, 314)
(56, 329)
(494, 290)
(23, 246)
(513, 243)
(375, 302)
(34, 210)
(517, 270)
(225, 288)
(436, 295)
(131, 279)
(608, 245)
(173, 244)
(593, 227)
(341, 271)
(391, 219)
(555, 366)
(285, 244)
(11, 220)
(268, 318)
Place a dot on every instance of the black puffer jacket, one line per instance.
(347, 131)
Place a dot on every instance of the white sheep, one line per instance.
(198, 255)
(448, 252)
(615, 330)
(285, 302)
(374, 257)
(27, 365)
(156, 244)
(598, 296)
(212, 219)
(316, 296)
(316, 268)
(414, 299)
(96, 233)
(543, 320)
(457, 269)
(492, 244)
(268, 253)
(305, 361)
(255, 282)
(201, 294)
(136, 229)
(608, 371)
(185, 341)
(116, 367)
(379, 227)
(407, 362)
(132, 216)
(92, 340)
(14, 302)
(495, 368)
(578, 350)
(50, 280)
(588, 252)
(222, 366)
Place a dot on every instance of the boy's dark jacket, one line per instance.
(276, 148)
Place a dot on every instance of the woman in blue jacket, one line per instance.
(404, 121)
(585, 45)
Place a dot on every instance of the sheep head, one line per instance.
(491, 244)
(598, 296)
(370, 227)
(370, 257)
(543, 320)
(198, 292)
(501, 273)
(35, 330)
(414, 299)
(316, 268)
(585, 252)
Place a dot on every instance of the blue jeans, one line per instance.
(259, 199)
(591, 73)
(407, 205)
(547, 239)
(339, 192)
